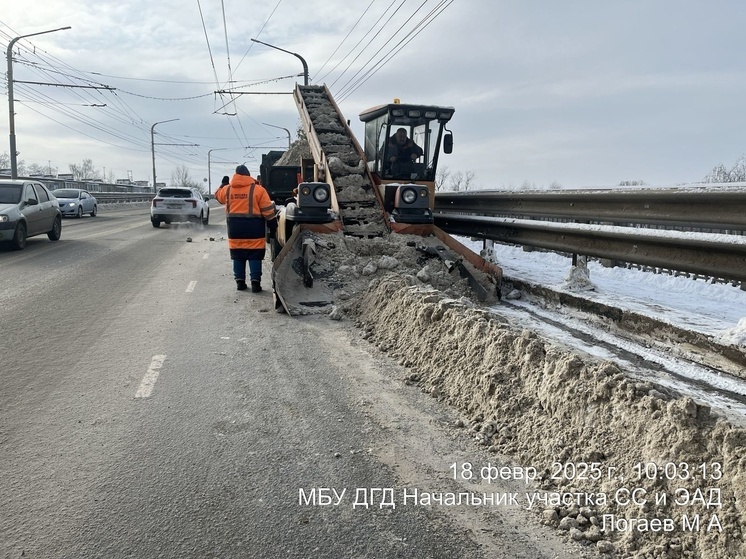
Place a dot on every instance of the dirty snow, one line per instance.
(538, 405)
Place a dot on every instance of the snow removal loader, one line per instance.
(347, 210)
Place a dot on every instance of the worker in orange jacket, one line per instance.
(247, 209)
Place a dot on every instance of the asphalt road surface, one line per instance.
(148, 409)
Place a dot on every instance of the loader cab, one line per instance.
(425, 125)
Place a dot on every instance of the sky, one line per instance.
(577, 93)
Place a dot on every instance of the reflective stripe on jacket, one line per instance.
(247, 207)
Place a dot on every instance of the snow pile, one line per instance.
(345, 265)
(735, 336)
(578, 279)
(299, 150)
(540, 405)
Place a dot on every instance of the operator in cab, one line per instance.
(402, 152)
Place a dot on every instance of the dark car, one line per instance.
(27, 208)
(76, 202)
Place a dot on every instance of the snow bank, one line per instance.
(734, 336)
(542, 405)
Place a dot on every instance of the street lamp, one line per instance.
(11, 109)
(281, 128)
(152, 145)
(209, 176)
(209, 172)
(305, 66)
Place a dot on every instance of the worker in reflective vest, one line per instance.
(247, 209)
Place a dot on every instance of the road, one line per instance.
(148, 409)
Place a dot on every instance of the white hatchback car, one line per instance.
(179, 203)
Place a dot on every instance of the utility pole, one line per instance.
(11, 108)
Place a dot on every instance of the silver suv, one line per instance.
(179, 203)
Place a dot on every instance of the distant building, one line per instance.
(123, 181)
(141, 183)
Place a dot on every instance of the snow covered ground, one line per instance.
(714, 309)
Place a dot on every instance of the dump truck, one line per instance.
(350, 203)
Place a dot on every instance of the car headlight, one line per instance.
(71, 204)
(4, 219)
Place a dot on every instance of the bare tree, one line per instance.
(5, 164)
(457, 182)
(36, 169)
(84, 171)
(181, 177)
(738, 172)
(721, 173)
(462, 182)
(442, 178)
(527, 185)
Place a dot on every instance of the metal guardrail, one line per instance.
(114, 197)
(710, 254)
(702, 208)
(621, 230)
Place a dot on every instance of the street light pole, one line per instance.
(281, 128)
(305, 66)
(209, 177)
(152, 145)
(11, 108)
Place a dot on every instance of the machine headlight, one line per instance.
(321, 194)
(314, 196)
(4, 219)
(71, 204)
(409, 195)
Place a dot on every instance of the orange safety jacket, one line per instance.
(247, 208)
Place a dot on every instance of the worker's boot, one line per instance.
(256, 287)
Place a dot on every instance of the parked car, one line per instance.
(74, 201)
(179, 203)
(27, 208)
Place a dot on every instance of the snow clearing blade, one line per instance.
(301, 281)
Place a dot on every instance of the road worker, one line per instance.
(247, 209)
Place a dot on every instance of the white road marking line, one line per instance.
(190, 287)
(148, 381)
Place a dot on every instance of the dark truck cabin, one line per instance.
(425, 125)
